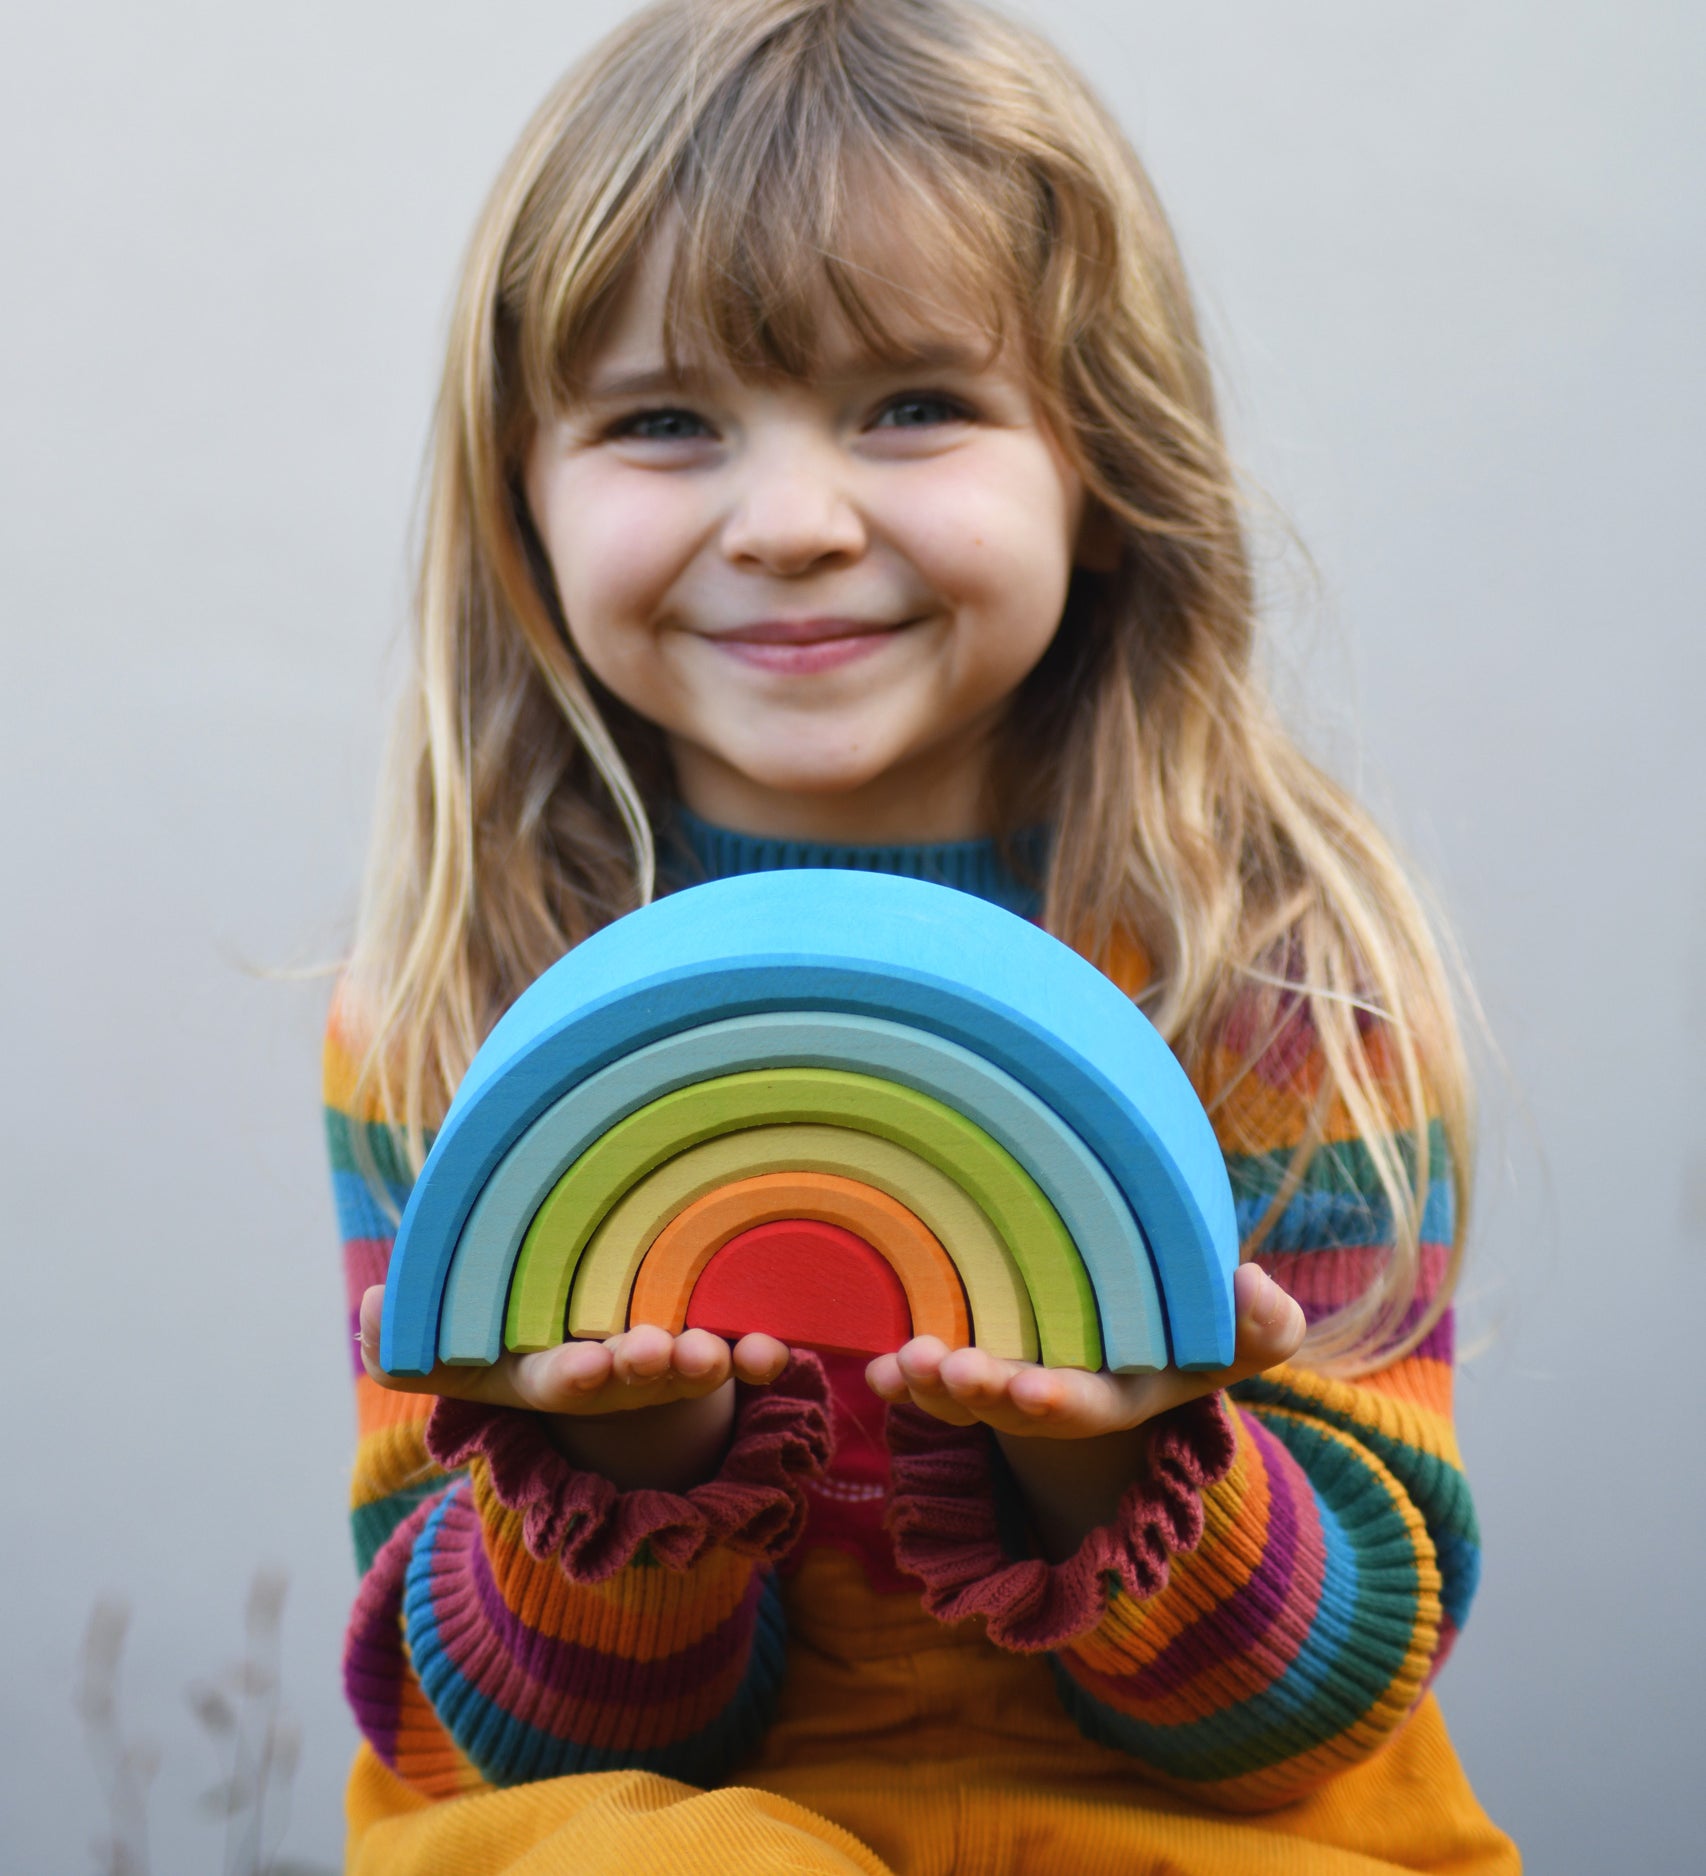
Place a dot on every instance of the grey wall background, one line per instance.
(1452, 256)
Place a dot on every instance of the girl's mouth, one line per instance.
(798, 647)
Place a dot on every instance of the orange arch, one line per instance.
(682, 1249)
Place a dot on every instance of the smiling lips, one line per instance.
(800, 646)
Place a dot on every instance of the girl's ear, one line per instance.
(1098, 547)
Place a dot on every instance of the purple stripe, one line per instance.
(1235, 1627)
(374, 1666)
(1439, 1344)
(474, 1621)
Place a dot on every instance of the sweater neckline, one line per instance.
(1006, 871)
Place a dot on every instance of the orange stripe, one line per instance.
(1235, 1525)
(639, 1614)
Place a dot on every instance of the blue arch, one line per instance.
(870, 946)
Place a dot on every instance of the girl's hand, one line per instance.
(678, 1388)
(965, 1385)
(1072, 1488)
(643, 1367)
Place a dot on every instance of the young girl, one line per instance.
(827, 472)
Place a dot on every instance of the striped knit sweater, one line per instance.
(1277, 1594)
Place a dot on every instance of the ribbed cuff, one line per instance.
(943, 1520)
(756, 1504)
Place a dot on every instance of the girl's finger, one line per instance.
(920, 1362)
(1271, 1324)
(1071, 1403)
(976, 1379)
(1074, 1401)
(921, 1367)
(641, 1354)
(460, 1383)
(559, 1380)
(1269, 1329)
(698, 1355)
(884, 1378)
(759, 1359)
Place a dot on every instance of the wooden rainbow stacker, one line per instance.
(842, 1107)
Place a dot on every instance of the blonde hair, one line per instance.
(519, 798)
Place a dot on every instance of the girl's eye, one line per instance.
(918, 410)
(662, 426)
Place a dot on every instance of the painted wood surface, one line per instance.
(1001, 1315)
(806, 1282)
(1061, 1298)
(1091, 1206)
(866, 945)
(677, 1257)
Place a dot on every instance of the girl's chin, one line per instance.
(813, 781)
(772, 787)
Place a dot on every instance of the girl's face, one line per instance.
(824, 594)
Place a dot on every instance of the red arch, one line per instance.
(806, 1282)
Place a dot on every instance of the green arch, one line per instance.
(1062, 1301)
(1001, 1317)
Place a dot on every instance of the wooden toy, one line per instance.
(1053, 1272)
(810, 945)
(999, 1304)
(803, 1281)
(696, 1237)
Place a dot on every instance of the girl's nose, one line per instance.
(792, 513)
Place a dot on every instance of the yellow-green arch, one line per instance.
(1001, 1316)
(1062, 1301)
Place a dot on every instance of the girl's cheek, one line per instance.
(620, 551)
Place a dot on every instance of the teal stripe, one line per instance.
(369, 1198)
(1343, 1166)
(1339, 1200)
(1007, 873)
(506, 1750)
(1460, 1570)
(372, 1524)
(381, 1144)
(360, 1213)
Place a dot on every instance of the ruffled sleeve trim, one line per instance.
(944, 1522)
(756, 1504)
